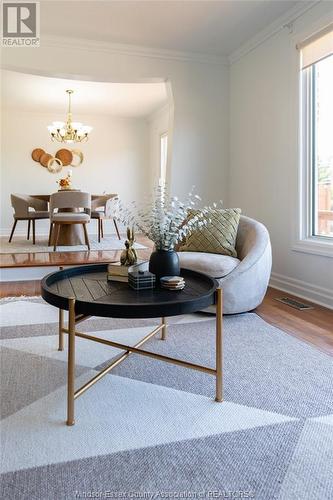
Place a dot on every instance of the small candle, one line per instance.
(70, 173)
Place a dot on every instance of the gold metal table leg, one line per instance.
(61, 326)
(164, 329)
(71, 363)
(72, 333)
(61, 333)
(219, 354)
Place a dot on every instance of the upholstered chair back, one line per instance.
(70, 200)
(22, 202)
(101, 201)
(252, 239)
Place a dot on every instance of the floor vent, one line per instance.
(296, 304)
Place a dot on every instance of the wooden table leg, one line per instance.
(219, 353)
(69, 235)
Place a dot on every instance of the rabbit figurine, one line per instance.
(129, 256)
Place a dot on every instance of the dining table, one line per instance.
(71, 234)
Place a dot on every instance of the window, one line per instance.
(317, 138)
(321, 98)
(164, 156)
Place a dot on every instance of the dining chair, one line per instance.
(30, 209)
(71, 207)
(99, 211)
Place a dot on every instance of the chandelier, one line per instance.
(70, 131)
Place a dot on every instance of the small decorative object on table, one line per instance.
(129, 256)
(66, 182)
(141, 280)
(172, 282)
(165, 221)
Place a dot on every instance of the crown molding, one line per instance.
(84, 45)
(285, 21)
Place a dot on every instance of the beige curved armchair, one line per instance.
(244, 279)
(21, 204)
(99, 207)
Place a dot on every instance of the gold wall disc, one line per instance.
(79, 154)
(54, 165)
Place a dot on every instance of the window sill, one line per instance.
(316, 246)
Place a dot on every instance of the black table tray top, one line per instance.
(95, 296)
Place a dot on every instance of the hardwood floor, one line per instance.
(18, 288)
(314, 326)
(32, 259)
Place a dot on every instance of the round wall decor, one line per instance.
(37, 153)
(44, 159)
(54, 165)
(79, 154)
(65, 155)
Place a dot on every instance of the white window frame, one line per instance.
(162, 135)
(306, 241)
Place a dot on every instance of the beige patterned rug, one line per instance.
(20, 244)
(151, 430)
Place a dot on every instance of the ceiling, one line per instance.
(38, 93)
(210, 27)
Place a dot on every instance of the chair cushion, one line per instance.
(97, 214)
(214, 265)
(70, 217)
(217, 236)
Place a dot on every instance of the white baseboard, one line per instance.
(313, 293)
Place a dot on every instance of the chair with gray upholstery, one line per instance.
(244, 279)
(69, 207)
(28, 208)
(99, 211)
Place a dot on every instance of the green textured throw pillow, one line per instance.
(218, 236)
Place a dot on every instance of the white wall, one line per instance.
(264, 155)
(116, 159)
(200, 93)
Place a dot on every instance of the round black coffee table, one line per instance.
(84, 291)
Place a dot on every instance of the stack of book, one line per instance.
(117, 272)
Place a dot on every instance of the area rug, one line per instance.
(152, 430)
(20, 244)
